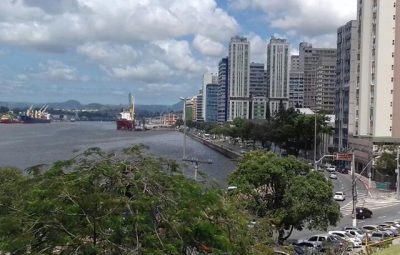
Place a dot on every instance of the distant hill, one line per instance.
(76, 105)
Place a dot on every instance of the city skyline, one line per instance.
(83, 50)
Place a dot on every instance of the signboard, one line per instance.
(344, 156)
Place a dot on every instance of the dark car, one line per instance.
(363, 213)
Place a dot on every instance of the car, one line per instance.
(359, 234)
(355, 241)
(395, 224)
(328, 241)
(339, 196)
(370, 228)
(306, 247)
(331, 169)
(333, 176)
(363, 213)
(378, 236)
(243, 151)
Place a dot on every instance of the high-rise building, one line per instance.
(319, 67)
(194, 108)
(199, 107)
(346, 83)
(296, 83)
(223, 90)
(374, 93)
(208, 78)
(278, 64)
(239, 78)
(258, 108)
(258, 85)
(211, 103)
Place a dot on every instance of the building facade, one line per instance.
(258, 108)
(296, 83)
(223, 90)
(239, 78)
(194, 108)
(208, 78)
(277, 73)
(211, 103)
(375, 79)
(319, 67)
(346, 83)
(199, 107)
(258, 85)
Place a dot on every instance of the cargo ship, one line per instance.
(126, 118)
(36, 116)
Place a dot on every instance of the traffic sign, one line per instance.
(344, 156)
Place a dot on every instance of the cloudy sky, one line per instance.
(99, 50)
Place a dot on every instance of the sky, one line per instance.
(100, 50)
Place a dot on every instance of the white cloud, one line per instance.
(57, 71)
(258, 48)
(208, 46)
(310, 18)
(108, 53)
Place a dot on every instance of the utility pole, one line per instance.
(196, 163)
(315, 141)
(354, 191)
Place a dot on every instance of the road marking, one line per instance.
(381, 217)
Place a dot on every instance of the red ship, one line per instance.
(126, 118)
(8, 119)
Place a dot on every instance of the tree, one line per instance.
(99, 203)
(386, 163)
(179, 122)
(286, 192)
(4, 109)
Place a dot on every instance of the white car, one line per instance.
(355, 241)
(359, 234)
(339, 196)
(331, 169)
(333, 176)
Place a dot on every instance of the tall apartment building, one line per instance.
(346, 83)
(208, 78)
(239, 78)
(199, 107)
(258, 108)
(211, 103)
(194, 108)
(223, 90)
(375, 80)
(278, 64)
(296, 83)
(319, 66)
(258, 85)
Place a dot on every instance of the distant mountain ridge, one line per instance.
(76, 105)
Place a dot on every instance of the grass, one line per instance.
(394, 250)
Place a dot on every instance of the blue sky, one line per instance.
(99, 50)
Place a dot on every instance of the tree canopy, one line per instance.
(285, 191)
(101, 203)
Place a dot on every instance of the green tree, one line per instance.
(286, 192)
(179, 122)
(386, 163)
(4, 109)
(99, 203)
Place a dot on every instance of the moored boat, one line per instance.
(8, 119)
(126, 118)
(40, 116)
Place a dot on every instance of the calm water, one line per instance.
(26, 145)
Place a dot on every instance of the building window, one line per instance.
(391, 79)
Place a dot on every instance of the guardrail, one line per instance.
(372, 248)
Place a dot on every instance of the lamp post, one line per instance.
(184, 125)
(315, 141)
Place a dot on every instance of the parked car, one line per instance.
(306, 247)
(328, 241)
(395, 224)
(363, 213)
(370, 228)
(379, 236)
(333, 176)
(331, 169)
(339, 196)
(359, 234)
(355, 241)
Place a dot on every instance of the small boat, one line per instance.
(8, 119)
(126, 118)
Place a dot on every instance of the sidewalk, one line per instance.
(374, 193)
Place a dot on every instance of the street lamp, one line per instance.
(184, 99)
(315, 141)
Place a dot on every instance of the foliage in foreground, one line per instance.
(99, 203)
(286, 192)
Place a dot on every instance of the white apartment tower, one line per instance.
(208, 78)
(375, 75)
(239, 78)
(278, 65)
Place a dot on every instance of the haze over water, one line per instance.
(24, 145)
